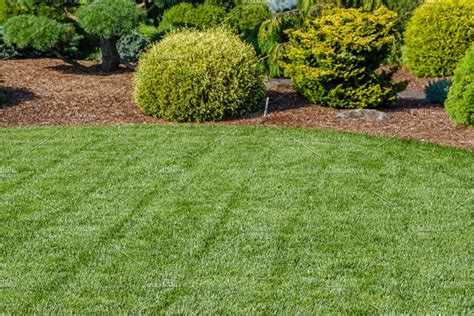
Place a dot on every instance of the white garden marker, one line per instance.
(266, 107)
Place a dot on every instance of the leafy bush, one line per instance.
(246, 19)
(6, 50)
(272, 42)
(3, 12)
(334, 61)
(460, 102)
(437, 36)
(197, 16)
(150, 32)
(109, 18)
(40, 33)
(199, 76)
(437, 91)
(226, 4)
(131, 46)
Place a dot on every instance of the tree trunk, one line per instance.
(58, 54)
(110, 56)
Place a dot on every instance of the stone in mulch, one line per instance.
(365, 114)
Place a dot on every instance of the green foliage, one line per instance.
(6, 50)
(437, 91)
(437, 37)
(334, 61)
(247, 19)
(196, 16)
(272, 42)
(131, 46)
(40, 33)
(199, 76)
(460, 102)
(150, 32)
(226, 4)
(3, 12)
(110, 18)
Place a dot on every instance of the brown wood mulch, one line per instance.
(47, 92)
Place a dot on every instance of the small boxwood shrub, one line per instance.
(199, 76)
(131, 46)
(335, 59)
(460, 102)
(437, 37)
(188, 15)
(437, 91)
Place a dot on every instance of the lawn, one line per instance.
(208, 219)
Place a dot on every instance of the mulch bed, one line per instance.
(47, 92)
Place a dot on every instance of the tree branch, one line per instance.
(70, 15)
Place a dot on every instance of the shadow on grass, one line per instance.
(14, 96)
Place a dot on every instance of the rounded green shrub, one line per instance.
(334, 60)
(131, 46)
(202, 17)
(6, 50)
(247, 18)
(437, 91)
(40, 33)
(437, 37)
(460, 102)
(110, 18)
(150, 32)
(199, 76)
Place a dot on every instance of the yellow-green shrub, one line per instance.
(334, 59)
(437, 37)
(199, 76)
(460, 102)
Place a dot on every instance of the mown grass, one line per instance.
(193, 219)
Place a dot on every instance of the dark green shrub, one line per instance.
(460, 102)
(110, 19)
(273, 40)
(150, 32)
(246, 19)
(199, 76)
(196, 16)
(3, 12)
(40, 33)
(131, 46)
(226, 4)
(6, 50)
(437, 91)
(437, 36)
(334, 60)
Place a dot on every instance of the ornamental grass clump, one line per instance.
(196, 75)
(335, 59)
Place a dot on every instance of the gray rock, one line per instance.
(365, 114)
(278, 84)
